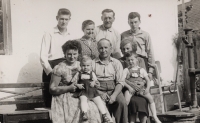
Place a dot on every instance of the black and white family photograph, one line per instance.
(99, 61)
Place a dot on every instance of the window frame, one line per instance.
(7, 30)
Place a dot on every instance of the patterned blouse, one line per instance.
(89, 47)
(66, 72)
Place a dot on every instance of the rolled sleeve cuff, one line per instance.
(48, 70)
(122, 83)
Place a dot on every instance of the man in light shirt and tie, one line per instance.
(106, 31)
(51, 48)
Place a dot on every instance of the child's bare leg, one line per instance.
(127, 96)
(152, 106)
(102, 108)
(97, 100)
(84, 103)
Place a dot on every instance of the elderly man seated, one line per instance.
(109, 73)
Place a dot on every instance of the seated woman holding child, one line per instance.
(66, 108)
(136, 79)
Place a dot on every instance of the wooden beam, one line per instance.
(21, 101)
(22, 85)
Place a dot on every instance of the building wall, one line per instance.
(193, 14)
(31, 18)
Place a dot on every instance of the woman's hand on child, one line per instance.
(112, 99)
(105, 97)
(131, 90)
(72, 87)
(137, 87)
(146, 91)
(80, 86)
(97, 84)
(92, 84)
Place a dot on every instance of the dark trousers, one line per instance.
(47, 78)
(119, 109)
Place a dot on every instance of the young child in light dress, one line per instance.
(87, 84)
(137, 82)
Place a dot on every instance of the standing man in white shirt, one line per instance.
(106, 31)
(51, 49)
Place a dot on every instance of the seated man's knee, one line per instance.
(121, 101)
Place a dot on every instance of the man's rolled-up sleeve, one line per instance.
(150, 53)
(44, 53)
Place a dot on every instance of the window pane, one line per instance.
(1, 28)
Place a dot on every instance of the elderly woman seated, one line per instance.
(65, 108)
(137, 104)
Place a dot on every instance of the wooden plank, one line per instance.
(3, 98)
(11, 92)
(22, 85)
(27, 116)
(11, 112)
(155, 90)
(176, 114)
(21, 101)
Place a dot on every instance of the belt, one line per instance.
(107, 85)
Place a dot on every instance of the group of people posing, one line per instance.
(92, 69)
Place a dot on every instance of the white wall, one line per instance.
(30, 18)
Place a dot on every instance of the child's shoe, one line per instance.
(105, 118)
(85, 116)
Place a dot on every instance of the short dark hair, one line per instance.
(64, 11)
(86, 23)
(133, 15)
(108, 10)
(127, 41)
(72, 45)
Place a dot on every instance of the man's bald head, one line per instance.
(104, 48)
(104, 40)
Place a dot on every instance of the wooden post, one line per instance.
(183, 13)
(186, 79)
(191, 69)
(187, 93)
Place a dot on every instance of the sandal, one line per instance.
(105, 118)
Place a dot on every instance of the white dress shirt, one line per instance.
(51, 47)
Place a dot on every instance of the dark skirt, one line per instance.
(138, 104)
(47, 78)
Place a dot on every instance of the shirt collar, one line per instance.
(85, 72)
(103, 28)
(56, 30)
(139, 32)
(84, 38)
(132, 68)
(99, 60)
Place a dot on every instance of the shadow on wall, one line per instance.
(30, 73)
